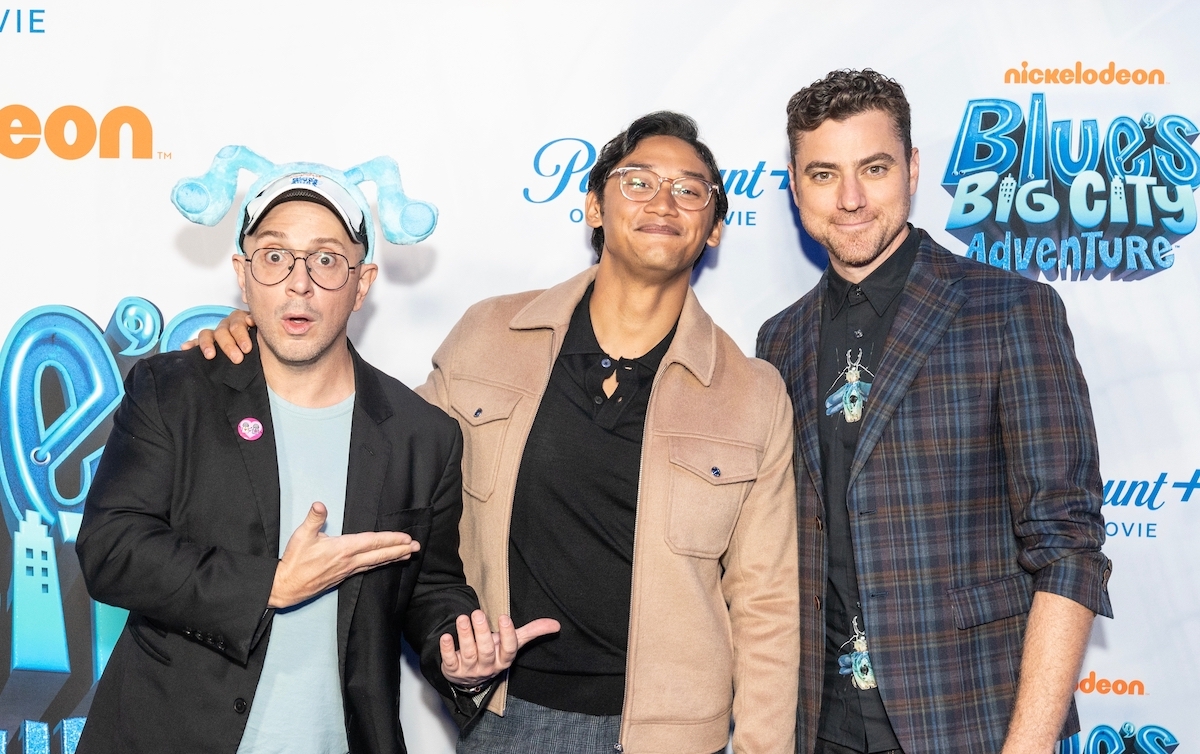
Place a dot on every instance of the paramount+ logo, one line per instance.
(71, 132)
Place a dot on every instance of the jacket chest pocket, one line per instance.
(411, 521)
(709, 481)
(483, 412)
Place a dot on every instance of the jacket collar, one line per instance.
(800, 366)
(694, 345)
(929, 303)
(248, 400)
(366, 474)
(368, 391)
(242, 376)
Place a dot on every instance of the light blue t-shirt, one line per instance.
(297, 708)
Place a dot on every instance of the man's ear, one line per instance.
(914, 170)
(239, 269)
(714, 238)
(366, 276)
(792, 183)
(593, 213)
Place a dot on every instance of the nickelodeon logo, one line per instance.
(70, 132)
(1090, 684)
(1081, 75)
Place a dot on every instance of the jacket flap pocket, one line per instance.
(992, 600)
(479, 402)
(709, 480)
(144, 636)
(714, 461)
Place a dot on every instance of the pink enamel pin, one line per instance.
(250, 428)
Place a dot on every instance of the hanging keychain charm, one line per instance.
(849, 398)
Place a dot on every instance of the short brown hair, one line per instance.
(844, 93)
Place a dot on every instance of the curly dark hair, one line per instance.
(844, 93)
(661, 123)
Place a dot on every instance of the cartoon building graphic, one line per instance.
(33, 737)
(67, 734)
(39, 633)
(40, 663)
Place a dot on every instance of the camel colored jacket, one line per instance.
(715, 603)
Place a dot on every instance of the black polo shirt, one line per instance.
(855, 320)
(570, 552)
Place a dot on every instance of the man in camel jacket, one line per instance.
(627, 471)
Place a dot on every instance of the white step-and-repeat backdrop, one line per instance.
(1057, 140)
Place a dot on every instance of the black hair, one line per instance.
(661, 123)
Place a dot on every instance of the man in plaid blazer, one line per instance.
(948, 485)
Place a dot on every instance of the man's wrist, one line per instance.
(468, 699)
(472, 690)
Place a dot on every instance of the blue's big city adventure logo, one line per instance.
(1041, 196)
(60, 381)
(1128, 739)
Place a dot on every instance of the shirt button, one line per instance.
(478, 412)
(606, 363)
(239, 706)
(817, 601)
(716, 471)
(820, 524)
(858, 333)
(597, 400)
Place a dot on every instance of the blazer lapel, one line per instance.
(248, 400)
(806, 337)
(370, 450)
(928, 305)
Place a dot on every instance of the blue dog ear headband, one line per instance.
(206, 199)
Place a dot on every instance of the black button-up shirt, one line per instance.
(570, 554)
(855, 320)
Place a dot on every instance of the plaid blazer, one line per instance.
(975, 483)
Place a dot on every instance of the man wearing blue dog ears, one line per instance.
(274, 526)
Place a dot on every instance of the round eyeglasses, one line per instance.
(642, 185)
(326, 269)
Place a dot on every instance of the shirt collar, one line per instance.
(581, 337)
(883, 284)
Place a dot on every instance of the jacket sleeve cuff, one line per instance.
(469, 705)
(464, 708)
(1082, 577)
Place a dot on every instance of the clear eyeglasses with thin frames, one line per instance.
(642, 185)
(327, 269)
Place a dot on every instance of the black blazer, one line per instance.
(181, 527)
